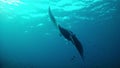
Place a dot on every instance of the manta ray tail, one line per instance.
(52, 17)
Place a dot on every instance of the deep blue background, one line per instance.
(24, 45)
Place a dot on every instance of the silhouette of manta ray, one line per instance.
(67, 34)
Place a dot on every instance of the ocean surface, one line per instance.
(29, 39)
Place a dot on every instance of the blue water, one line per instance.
(28, 38)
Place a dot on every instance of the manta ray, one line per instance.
(67, 34)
